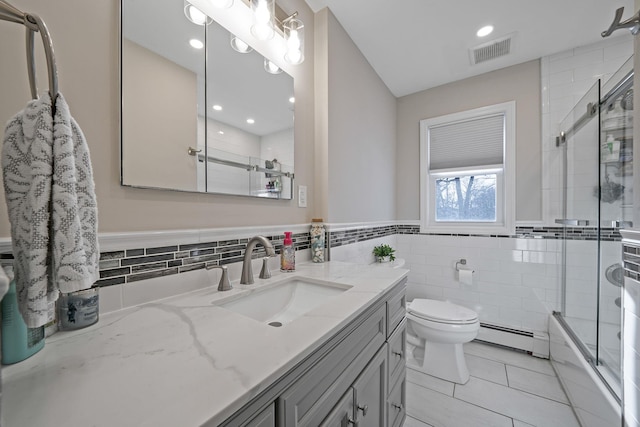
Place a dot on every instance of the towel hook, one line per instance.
(632, 23)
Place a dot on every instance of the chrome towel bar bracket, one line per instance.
(32, 24)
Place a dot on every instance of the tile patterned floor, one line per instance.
(506, 388)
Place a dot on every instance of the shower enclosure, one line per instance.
(596, 141)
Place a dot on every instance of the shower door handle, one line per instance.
(573, 222)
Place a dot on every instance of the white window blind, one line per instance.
(475, 142)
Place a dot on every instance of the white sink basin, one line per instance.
(285, 301)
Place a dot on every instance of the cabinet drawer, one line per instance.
(396, 403)
(396, 309)
(310, 399)
(397, 352)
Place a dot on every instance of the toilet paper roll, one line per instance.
(465, 276)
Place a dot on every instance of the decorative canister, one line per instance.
(317, 240)
(78, 309)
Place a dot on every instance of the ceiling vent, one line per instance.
(491, 50)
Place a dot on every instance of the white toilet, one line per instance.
(438, 329)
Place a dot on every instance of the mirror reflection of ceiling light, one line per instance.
(217, 107)
(271, 68)
(196, 44)
(221, 132)
(251, 121)
(263, 12)
(485, 31)
(292, 100)
(239, 45)
(195, 15)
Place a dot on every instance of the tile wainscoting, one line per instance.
(515, 284)
(132, 257)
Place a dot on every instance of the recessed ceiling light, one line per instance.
(217, 107)
(292, 100)
(251, 121)
(196, 44)
(485, 31)
(221, 132)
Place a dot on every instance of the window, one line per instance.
(467, 171)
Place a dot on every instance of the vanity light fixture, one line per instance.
(239, 45)
(271, 67)
(196, 44)
(485, 31)
(293, 29)
(195, 15)
(263, 13)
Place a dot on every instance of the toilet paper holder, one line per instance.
(462, 262)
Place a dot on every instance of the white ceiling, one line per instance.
(418, 44)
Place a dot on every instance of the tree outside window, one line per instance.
(466, 198)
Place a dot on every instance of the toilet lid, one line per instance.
(441, 311)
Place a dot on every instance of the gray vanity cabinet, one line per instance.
(313, 396)
(356, 378)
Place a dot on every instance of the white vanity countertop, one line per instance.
(180, 361)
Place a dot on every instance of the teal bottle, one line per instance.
(18, 341)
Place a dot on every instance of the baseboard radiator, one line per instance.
(534, 343)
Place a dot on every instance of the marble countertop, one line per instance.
(181, 361)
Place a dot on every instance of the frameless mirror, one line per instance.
(203, 118)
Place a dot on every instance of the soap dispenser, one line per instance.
(18, 341)
(288, 254)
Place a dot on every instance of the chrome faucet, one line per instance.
(247, 272)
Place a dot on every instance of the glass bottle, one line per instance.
(317, 240)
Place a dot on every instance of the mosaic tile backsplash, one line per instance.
(132, 265)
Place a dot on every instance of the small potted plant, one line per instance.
(384, 253)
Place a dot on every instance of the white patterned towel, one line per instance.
(51, 200)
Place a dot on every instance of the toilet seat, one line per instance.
(442, 312)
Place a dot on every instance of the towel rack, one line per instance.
(34, 23)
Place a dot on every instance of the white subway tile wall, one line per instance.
(514, 280)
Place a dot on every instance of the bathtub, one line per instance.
(592, 401)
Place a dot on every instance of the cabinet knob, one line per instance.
(364, 409)
(397, 406)
(397, 353)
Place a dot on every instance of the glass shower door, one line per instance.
(616, 198)
(580, 231)
(597, 188)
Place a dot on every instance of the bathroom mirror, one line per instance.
(203, 118)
